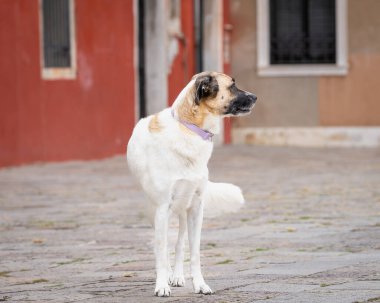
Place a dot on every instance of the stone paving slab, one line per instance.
(309, 232)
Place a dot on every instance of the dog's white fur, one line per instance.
(171, 166)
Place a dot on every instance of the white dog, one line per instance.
(168, 153)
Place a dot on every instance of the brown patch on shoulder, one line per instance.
(154, 124)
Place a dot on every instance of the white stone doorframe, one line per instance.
(213, 45)
(155, 56)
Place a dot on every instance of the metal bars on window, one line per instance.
(302, 32)
(56, 33)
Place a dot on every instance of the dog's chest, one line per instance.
(192, 154)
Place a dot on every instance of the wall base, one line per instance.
(308, 136)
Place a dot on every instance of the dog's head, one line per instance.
(218, 94)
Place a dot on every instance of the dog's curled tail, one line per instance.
(222, 198)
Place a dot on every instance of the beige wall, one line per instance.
(353, 99)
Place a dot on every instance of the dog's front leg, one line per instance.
(161, 250)
(178, 278)
(194, 225)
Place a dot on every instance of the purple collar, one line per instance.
(204, 134)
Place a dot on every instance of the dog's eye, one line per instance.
(232, 88)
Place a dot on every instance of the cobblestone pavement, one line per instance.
(309, 232)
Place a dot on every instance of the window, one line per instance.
(57, 33)
(301, 37)
(302, 31)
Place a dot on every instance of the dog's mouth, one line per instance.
(238, 109)
(240, 112)
(242, 104)
(245, 110)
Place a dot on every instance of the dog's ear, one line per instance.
(206, 86)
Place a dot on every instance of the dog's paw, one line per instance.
(177, 281)
(202, 289)
(162, 291)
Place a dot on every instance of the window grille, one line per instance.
(302, 32)
(56, 33)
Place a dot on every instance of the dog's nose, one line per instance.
(253, 97)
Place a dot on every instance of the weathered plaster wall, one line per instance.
(355, 98)
(282, 101)
(91, 116)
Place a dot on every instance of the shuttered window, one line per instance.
(58, 53)
(56, 33)
(302, 32)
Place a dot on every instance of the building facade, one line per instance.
(318, 102)
(76, 75)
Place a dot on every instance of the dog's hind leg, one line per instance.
(161, 250)
(178, 278)
(194, 225)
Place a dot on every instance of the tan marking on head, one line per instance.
(194, 113)
(220, 102)
(154, 124)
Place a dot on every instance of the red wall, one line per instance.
(183, 67)
(89, 117)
